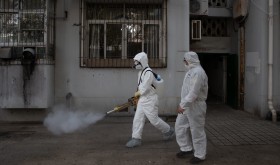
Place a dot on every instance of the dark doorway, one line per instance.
(232, 80)
(222, 70)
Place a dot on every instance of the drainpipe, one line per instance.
(270, 60)
(242, 67)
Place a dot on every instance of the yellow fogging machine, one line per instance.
(131, 102)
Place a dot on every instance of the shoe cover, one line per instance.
(133, 143)
(169, 135)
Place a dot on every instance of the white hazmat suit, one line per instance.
(189, 126)
(148, 103)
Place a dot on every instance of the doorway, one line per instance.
(222, 72)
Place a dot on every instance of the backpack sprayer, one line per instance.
(131, 102)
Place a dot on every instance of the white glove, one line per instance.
(137, 94)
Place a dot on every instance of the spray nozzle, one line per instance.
(158, 77)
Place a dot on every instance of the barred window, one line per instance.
(217, 3)
(215, 27)
(27, 24)
(113, 33)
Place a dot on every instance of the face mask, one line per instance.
(137, 65)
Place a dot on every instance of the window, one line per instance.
(27, 24)
(217, 3)
(215, 27)
(113, 33)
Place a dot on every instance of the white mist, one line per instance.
(64, 120)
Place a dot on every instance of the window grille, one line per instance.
(217, 3)
(215, 27)
(114, 32)
(27, 24)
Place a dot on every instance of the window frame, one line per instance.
(33, 20)
(20, 12)
(159, 60)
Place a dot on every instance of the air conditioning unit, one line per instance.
(196, 30)
(199, 7)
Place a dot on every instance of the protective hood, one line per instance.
(192, 58)
(142, 58)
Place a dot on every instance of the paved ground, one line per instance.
(234, 137)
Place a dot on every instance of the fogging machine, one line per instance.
(131, 102)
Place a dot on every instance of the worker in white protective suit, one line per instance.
(189, 126)
(147, 105)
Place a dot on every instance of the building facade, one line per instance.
(79, 52)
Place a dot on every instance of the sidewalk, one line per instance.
(234, 137)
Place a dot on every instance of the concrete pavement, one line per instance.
(234, 137)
